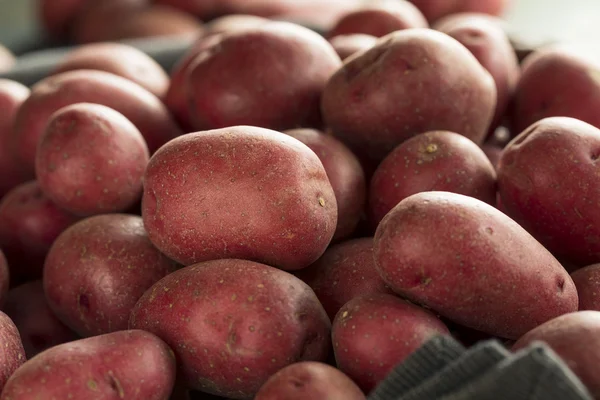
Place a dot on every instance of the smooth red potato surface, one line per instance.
(12, 95)
(12, 354)
(557, 81)
(29, 224)
(374, 333)
(432, 161)
(138, 105)
(90, 160)
(575, 337)
(97, 270)
(547, 182)
(348, 45)
(230, 334)
(239, 192)
(38, 327)
(436, 9)
(438, 85)
(485, 37)
(264, 93)
(345, 175)
(346, 270)
(119, 59)
(472, 264)
(380, 19)
(133, 365)
(309, 380)
(587, 282)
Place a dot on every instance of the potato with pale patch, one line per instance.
(234, 323)
(133, 365)
(97, 270)
(90, 160)
(374, 333)
(472, 264)
(309, 380)
(239, 192)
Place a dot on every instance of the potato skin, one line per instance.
(575, 337)
(373, 333)
(90, 160)
(587, 282)
(348, 45)
(29, 224)
(234, 22)
(555, 196)
(121, 365)
(38, 327)
(309, 380)
(97, 270)
(12, 355)
(248, 329)
(12, 95)
(432, 161)
(472, 264)
(344, 173)
(447, 90)
(119, 59)
(239, 192)
(138, 105)
(485, 38)
(272, 96)
(436, 9)
(346, 270)
(380, 19)
(557, 81)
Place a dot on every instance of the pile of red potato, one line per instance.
(272, 222)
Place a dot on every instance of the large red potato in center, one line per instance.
(239, 192)
(472, 264)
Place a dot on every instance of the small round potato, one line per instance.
(587, 281)
(239, 192)
(97, 270)
(234, 323)
(29, 224)
(12, 354)
(437, 85)
(39, 328)
(132, 365)
(309, 380)
(91, 160)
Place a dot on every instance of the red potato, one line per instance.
(438, 85)
(587, 282)
(472, 264)
(557, 81)
(12, 355)
(247, 329)
(554, 196)
(96, 21)
(4, 278)
(57, 16)
(484, 36)
(345, 175)
(233, 23)
(119, 59)
(38, 327)
(373, 333)
(138, 105)
(346, 270)
(239, 192)
(436, 9)
(380, 19)
(29, 224)
(7, 59)
(12, 95)
(98, 269)
(347, 45)
(133, 365)
(575, 337)
(432, 161)
(91, 160)
(263, 93)
(309, 380)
